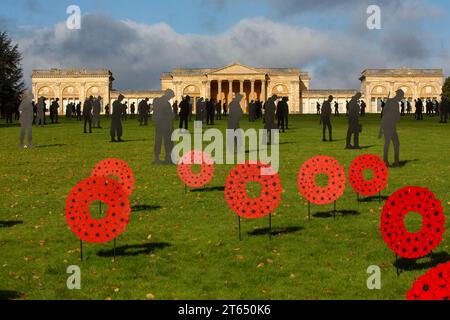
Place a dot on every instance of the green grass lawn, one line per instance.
(186, 246)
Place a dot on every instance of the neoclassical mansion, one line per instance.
(73, 85)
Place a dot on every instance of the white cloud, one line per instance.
(137, 53)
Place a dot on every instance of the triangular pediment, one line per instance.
(236, 68)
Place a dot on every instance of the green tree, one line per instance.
(446, 90)
(11, 75)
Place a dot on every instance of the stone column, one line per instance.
(219, 90)
(60, 97)
(230, 90)
(263, 91)
(241, 87)
(252, 90)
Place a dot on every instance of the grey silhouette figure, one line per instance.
(391, 117)
(199, 109)
(282, 113)
(175, 109)
(444, 110)
(184, 112)
(96, 109)
(116, 119)
(269, 118)
(325, 118)
(163, 119)
(54, 111)
(87, 113)
(336, 108)
(354, 128)
(132, 109)
(252, 111)
(234, 118)
(26, 119)
(40, 107)
(143, 112)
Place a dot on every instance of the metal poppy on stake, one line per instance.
(317, 194)
(191, 179)
(253, 208)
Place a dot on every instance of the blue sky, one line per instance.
(325, 37)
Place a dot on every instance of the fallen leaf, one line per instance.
(150, 296)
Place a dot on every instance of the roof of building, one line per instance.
(54, 72)
(402, 72)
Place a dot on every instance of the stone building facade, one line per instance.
(73, 85)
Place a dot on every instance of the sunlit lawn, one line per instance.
(186, 246)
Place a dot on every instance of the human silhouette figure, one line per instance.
(78, 111)
(281, 111)
(363, 108)
(163, 118)
(87, 113)
(388, 128)
(354, 128)
(325, 118)
(54, 111)
(116, 119)
(184, 112)
(346, 107)
(26, 120)
(269, 119)
(40, 107)
(219, 110)
(235, 115)
(132, 110)
(402, 108)
(336, 108)
(107, 111)
(318, 108)
(125, 111)
(419, 109)
(210, 111)
(285, 108)
(69, 109)
(34, 111)
(408, 107)
(143, 112)
(444, 110)
(251, 111)
(96, 110)
(175, 109)
(199, 109)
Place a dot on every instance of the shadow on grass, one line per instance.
(405, 162)
(330, 214)
(144, 207)
(208, 189)
(373, 199)
(9, 224)
(133, 250)
(275, 231)
(51, 145)
(413, 264)
(10, 295)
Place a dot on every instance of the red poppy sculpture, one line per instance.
(434, 285)
(117, 168)
(200, 179)
(307, 183)
(356, 174)
(406, 244)
(236, 193)
(79, 218)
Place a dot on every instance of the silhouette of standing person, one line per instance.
(107, 113)
(116, 119)
(363, 108)
(354, 128)
(132, 109)
(142, 111)
(326, 118)
(336, 108)
(444, 110)
(54, 111)
(184, 112)
(286, 111)
(419, 109)
(163, 118)
(402, 108)
(78, 111)
(96, 109)
(391, 117)
(87, 113)
(26, 119)
(318, 108)
(175, 109)
(219, 110)
(235, 115)
(269, 119)
(40, 111)
(281, 114)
